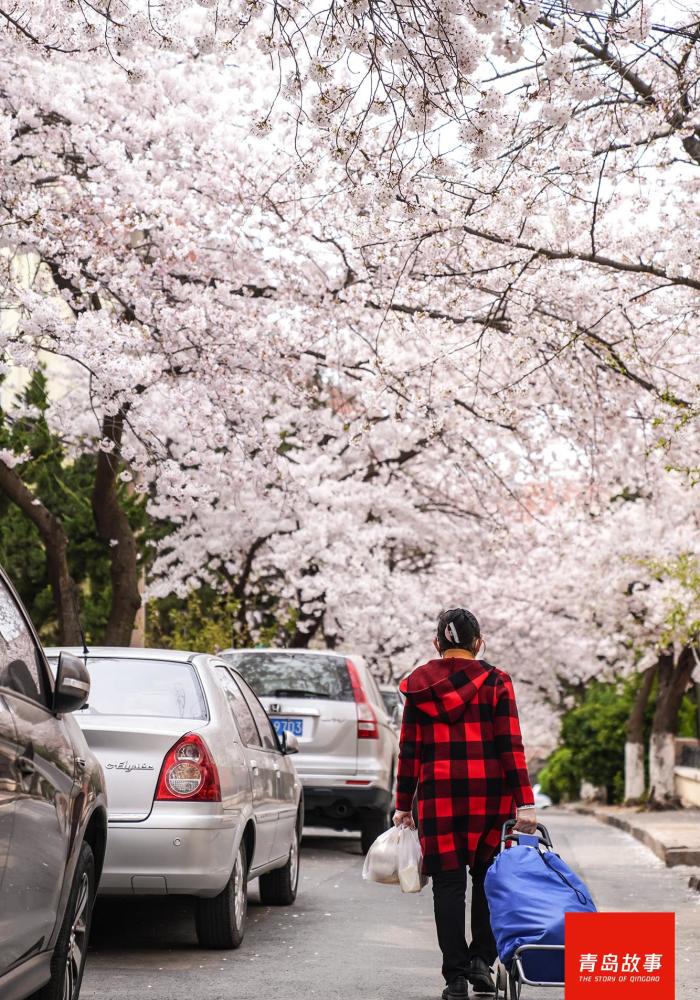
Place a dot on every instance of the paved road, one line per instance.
(349, 940)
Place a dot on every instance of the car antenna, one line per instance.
(86, 651)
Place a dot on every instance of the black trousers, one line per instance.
(450, 901)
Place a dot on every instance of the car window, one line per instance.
(20, 658)
(164, 689)
(239, 706)
(373, 687)
(282, 674)
(265, 728)
(392, 699)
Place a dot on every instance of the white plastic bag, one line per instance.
(411, 878)
(382, 861)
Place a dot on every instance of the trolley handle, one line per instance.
(508, 833)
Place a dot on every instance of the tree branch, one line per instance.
(53, 535)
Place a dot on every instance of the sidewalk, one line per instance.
(673, 836)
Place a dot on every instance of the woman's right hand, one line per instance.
(526, 821)
(404, 819)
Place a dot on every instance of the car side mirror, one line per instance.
(72, 684)
(290, 743)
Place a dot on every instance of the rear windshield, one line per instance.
(157, 688)
(294, 675)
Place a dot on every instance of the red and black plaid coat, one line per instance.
(461, 746)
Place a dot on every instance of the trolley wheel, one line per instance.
(515, 986)
(501, 981)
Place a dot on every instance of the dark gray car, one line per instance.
(53, 815)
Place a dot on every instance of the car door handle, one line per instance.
(254, 766)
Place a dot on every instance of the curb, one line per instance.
(670, 856)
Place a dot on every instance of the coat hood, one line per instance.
(441, 688)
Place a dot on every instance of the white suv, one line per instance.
(347, 744)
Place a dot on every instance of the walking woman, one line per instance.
(462, 749)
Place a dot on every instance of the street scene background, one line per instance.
(317, 320)
(348, 938)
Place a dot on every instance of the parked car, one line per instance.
(53, 815)
(542, 801)
(393, 700)
(203, 796)
(347, 745)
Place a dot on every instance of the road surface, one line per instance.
(349, 940)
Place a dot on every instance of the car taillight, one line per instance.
(189, 773)
(367, 726)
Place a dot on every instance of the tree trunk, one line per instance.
(115, 531)
(302, 637)
(673, 683)
(138, 636)
(308, 625)
(63, 586)
(635, 784)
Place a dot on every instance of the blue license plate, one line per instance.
(295, 726)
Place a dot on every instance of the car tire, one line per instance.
(68, 960)
(221, 920)
(373, 824)
(279, 887)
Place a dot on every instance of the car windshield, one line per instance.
(294, 675)
(160, 688)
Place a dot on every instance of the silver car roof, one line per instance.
(343, 653)
(127, 653)
(182, 655)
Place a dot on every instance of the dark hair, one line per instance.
(465, 625)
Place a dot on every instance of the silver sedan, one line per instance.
(202, 795)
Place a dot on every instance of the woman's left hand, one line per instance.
(404, 819)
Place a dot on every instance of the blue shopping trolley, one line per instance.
(530, 889)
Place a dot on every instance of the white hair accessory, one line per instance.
(451, 632)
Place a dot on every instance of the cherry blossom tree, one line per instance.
(380, 311)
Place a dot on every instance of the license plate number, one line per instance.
(295, 726)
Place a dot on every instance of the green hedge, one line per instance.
(592, 740)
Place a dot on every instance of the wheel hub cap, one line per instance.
(239, 902)
(77, 941)
(294, 860)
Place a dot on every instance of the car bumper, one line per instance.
(343, 798)
(170, 854)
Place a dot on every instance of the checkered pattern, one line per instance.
(461, 747)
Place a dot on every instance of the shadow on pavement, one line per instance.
(167, 922)
(319, 839)
(141, 922)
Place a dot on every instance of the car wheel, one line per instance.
(279, 887)
(373, 824)
(221, 919)
(68, 961)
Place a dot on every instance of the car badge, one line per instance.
(126, 765)
(275, 708)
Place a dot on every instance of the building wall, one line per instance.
(688, 785)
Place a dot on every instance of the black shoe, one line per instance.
(480, 977)
(456, 990)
